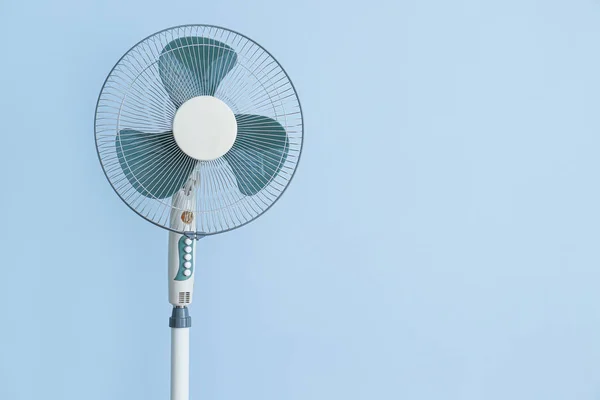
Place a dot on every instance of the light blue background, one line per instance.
(440, 239)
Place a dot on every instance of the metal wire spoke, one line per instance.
(134, 118)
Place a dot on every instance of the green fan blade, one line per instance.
(194, 66)
(258, 153)
(152, 162)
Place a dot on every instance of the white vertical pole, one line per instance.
(180, 363)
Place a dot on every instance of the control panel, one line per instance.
(186, 259)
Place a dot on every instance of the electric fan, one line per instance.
(199, 130)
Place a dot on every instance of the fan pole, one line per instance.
(180, 323)
(181, 287)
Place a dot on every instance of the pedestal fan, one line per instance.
(199, 130)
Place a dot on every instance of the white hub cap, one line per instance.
(204, 128)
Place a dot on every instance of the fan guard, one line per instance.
(135, 112)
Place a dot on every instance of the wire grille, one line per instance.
(136, 98)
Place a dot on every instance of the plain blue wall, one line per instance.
(440, 239)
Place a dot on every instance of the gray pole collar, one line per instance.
(180, 318)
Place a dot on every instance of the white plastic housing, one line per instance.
(181, 286)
